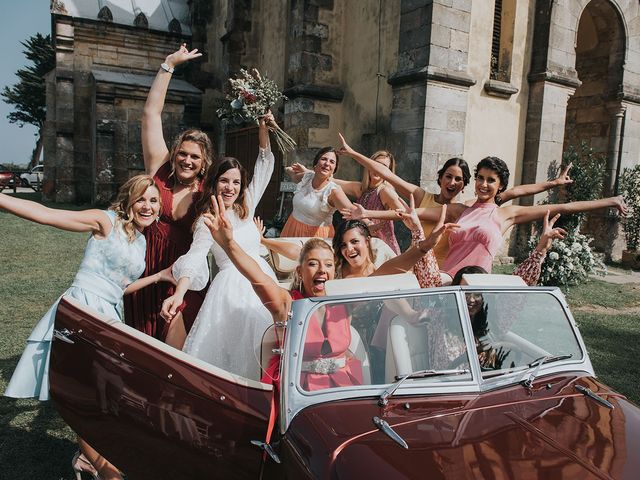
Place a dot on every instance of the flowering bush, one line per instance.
(630, 188)
(251, 96)
(569, 261)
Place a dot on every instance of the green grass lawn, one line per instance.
(38, 263)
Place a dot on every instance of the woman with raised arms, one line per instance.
(179, 173)
(113, 261)
(232, 319)
(452, 178)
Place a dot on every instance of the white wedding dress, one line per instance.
(228, 329)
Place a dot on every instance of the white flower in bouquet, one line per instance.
(554, 256)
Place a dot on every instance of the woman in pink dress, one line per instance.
(178, 173)
(451, 178)
(483, 224)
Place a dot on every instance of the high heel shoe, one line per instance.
(81, 465)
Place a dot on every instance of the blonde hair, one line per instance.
(128, 195)
(309, 245)
(379, 153)
(206, 146)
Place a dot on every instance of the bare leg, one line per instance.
(176, 334)
(102, 465)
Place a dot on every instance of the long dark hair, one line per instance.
(343, 228)
(456, 162)
(203, 204)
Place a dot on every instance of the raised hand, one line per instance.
(260, 226)
(439, 230)
(217, 222)
(297, 168)
(357, 212)
(345, 149)
(409, 216)
(564, 178)
(182, 55)
(549, 233)
(621, 206)
(267, 120)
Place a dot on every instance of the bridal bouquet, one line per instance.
(250, 97)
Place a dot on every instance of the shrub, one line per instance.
(630, 189)
(588, 179)
(569, 261)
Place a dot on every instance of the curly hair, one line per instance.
(342, 229)
(309, 245)
(240, 206)
(324, 150)
(128, 195)
(497, 165)
(206, 146)
(456, 162)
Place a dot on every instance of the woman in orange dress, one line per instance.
(316, 199)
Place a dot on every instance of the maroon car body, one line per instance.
(158, 413)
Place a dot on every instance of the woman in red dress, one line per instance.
(178, 173)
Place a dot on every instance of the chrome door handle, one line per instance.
(63, 335)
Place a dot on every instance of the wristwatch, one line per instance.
(166, 67)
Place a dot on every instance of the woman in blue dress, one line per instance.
(113, 261)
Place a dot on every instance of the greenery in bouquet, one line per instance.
(249, 98)
(569, 261)
(630, 189)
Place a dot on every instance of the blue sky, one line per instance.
(20, 20)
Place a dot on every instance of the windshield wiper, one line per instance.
(384, 398)
(591, 394)
(528, 378)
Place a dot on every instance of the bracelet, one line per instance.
(166, 67)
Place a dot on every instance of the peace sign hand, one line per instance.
(217, 222)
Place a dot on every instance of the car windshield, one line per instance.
(379, 341)
(514, 330)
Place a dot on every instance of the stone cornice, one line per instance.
(555, 77)
(320, 92)
(500, 89)
(431, 73)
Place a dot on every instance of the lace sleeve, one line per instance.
(325, 206)
(193, 264)
(426, 269)
(261, 176)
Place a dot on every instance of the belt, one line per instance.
(325, 366)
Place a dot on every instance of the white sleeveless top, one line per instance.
(311, 206)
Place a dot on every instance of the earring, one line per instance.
(157, 218)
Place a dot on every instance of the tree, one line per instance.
(29, 94)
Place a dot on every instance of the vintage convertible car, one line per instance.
(454, 382)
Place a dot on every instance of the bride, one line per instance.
(228, 328)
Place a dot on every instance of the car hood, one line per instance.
(550, 431)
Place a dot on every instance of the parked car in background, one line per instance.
(7, 178)
(33, 178)
(463, 382)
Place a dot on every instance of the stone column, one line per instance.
(312, 74)
(617, 111)
(430, 87)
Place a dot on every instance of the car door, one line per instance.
(153, 411)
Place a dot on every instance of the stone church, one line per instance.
(427, 79)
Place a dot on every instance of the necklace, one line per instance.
(190, 184)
